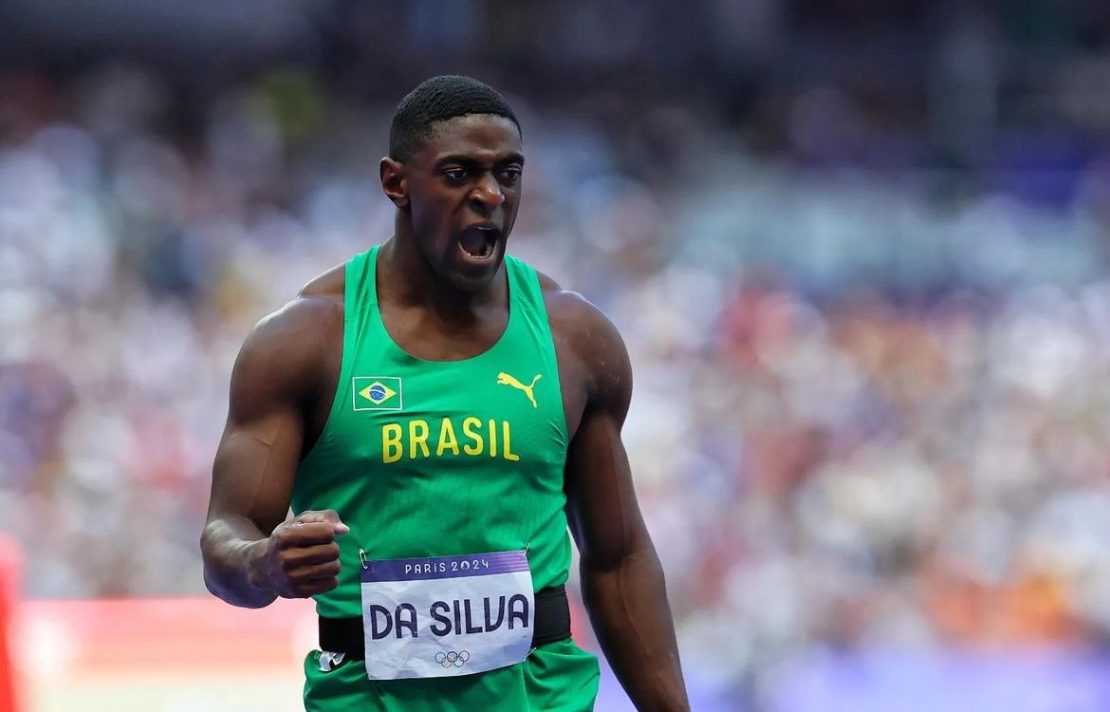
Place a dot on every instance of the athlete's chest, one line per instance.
(447, 391)
(416, 391)
(476, 414)
(418, 332)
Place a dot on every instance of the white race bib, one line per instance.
(446, 615)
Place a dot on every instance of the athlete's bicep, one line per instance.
(602, 510)
(252, 475)
(254, 467)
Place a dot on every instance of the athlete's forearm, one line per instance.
(232, 547)
(628, 607)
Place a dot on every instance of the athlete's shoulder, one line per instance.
(288, 349)
(327, 286)
(582, 328)
(572, 312)
(315, 310)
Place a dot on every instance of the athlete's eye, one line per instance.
(455, 176)
(509, 176)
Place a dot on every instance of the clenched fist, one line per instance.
(300, 558)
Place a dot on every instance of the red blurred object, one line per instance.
(9, 596)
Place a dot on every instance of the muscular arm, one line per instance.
(622, 581)
(250, 556)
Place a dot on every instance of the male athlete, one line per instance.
(436, 413)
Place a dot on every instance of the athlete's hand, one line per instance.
(301, 558)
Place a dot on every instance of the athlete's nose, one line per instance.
(487, 193)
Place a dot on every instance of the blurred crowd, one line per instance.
(872, 402)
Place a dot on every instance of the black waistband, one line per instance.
(344, 635)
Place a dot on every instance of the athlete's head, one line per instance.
(437, 100)
(453, 170)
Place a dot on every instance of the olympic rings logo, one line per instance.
(453, 659)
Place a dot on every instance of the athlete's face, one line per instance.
(461, 190)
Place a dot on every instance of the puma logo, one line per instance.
(504, 379)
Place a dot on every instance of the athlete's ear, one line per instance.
(394, 184)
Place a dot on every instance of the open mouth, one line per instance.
(478, 242)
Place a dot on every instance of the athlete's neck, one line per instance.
(408, 280)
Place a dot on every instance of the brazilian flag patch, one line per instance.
(377, 392)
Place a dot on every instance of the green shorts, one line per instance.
(557, 677)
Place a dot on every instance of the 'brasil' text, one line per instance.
(472, 437)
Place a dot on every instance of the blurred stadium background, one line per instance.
(858, 250)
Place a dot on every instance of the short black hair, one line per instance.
(439, 99)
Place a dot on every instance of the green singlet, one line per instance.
(434, 458)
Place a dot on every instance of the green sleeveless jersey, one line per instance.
(423, 458)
